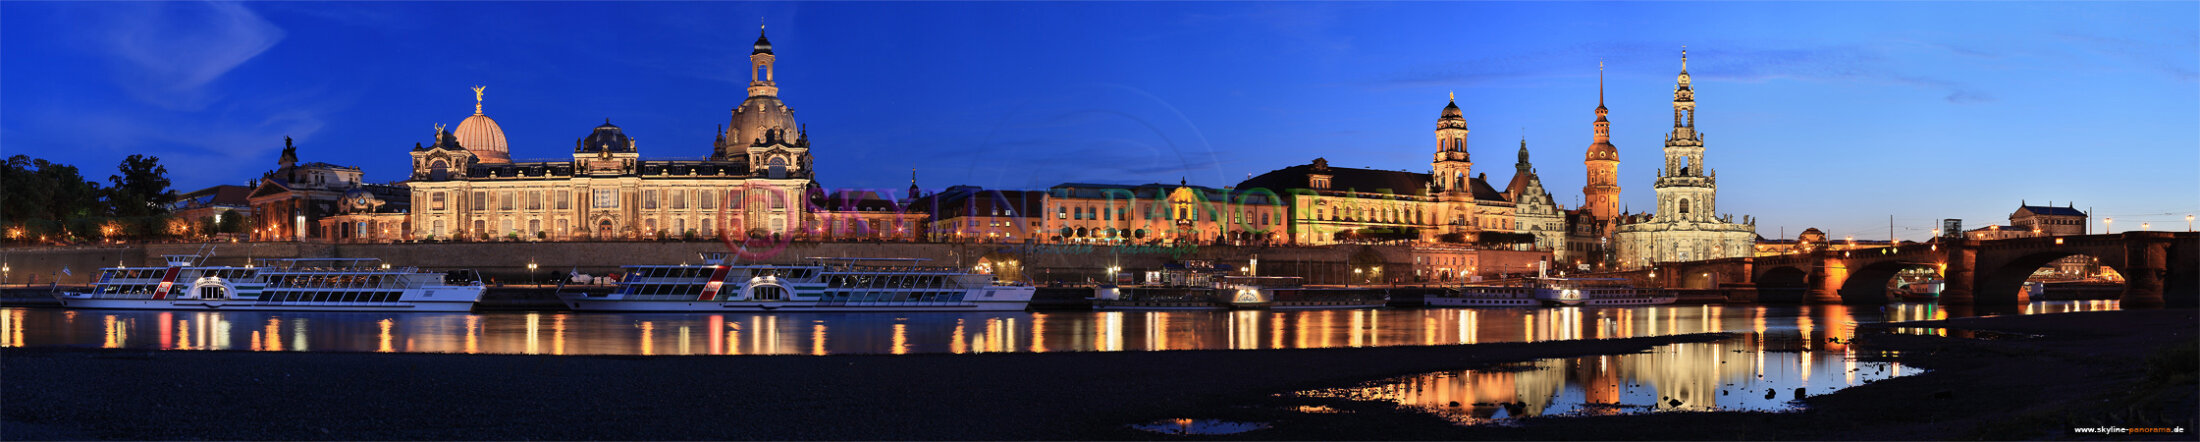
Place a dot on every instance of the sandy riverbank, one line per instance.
(2081, 370)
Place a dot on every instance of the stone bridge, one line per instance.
(2160, 268)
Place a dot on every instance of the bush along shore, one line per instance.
(2099, 369)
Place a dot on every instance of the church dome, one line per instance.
(481, 135)
(763, 46)
(605, 138)
(1812, 235)
(757, 116)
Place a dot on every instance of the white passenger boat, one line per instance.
(829, 284)
(305, 284)
(1533, 292)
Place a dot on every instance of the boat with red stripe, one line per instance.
(822, 284)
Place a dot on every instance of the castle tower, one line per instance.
(1449, 172)
(1686, 188)
(1602, 161)
(1452, 165)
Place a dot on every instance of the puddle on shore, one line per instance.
(1768, 374)
(1199, 426)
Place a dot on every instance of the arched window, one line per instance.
(1684, 206)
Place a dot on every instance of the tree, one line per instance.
(141, 189)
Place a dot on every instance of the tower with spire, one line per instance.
(1602, 162)
(1686, 225)
(1686, 188)
(1534, 211)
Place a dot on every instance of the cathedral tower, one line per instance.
(1602, 161)
(1686, 188)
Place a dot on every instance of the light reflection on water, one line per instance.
(1757, 372)
(561, 333)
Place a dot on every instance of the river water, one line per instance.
(564, 333)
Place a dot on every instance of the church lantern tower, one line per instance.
(763, 136)
(1602, 161)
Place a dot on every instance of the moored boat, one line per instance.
(303, 284)
(827, 284)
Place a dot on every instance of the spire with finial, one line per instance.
(477, 98)
(1600, 91)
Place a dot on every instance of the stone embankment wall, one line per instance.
(507, 262)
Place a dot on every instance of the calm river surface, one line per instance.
(563, 333)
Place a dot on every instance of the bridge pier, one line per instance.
(2146, 264)
(1826, 281)
(1960, 278)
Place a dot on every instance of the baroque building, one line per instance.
(756, 182)
(1448, 204)
(1161, 214)
(1686, 225)
(289, 202)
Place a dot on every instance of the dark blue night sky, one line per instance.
(1829, 115)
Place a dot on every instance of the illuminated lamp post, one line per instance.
(2146, 226)
(531, 272)
(1355, 273)
(2188, 222)
(2111, 223)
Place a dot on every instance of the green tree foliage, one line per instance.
(55, 201)
(141, 189)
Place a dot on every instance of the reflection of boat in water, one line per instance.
(304, 284)
(1587, 292)
(831, 284)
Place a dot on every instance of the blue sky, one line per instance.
(1828, 115)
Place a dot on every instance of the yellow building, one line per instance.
(1450, 204)
(1160, 214)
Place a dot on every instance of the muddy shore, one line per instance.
(2080, 369)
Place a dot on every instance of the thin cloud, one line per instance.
(167, 53)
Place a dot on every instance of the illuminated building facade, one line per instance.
(755, 183)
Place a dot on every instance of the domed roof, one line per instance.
(763, 45)
(1451, 118)
(605, 138)
(481, 135)
(755, 117)
(1812, 235)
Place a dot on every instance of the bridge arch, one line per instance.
(2002, 284)
(1867, 284)
(1784, 283)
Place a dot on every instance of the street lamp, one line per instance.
(2145, 226)
(2111, 222)
(530, 272)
